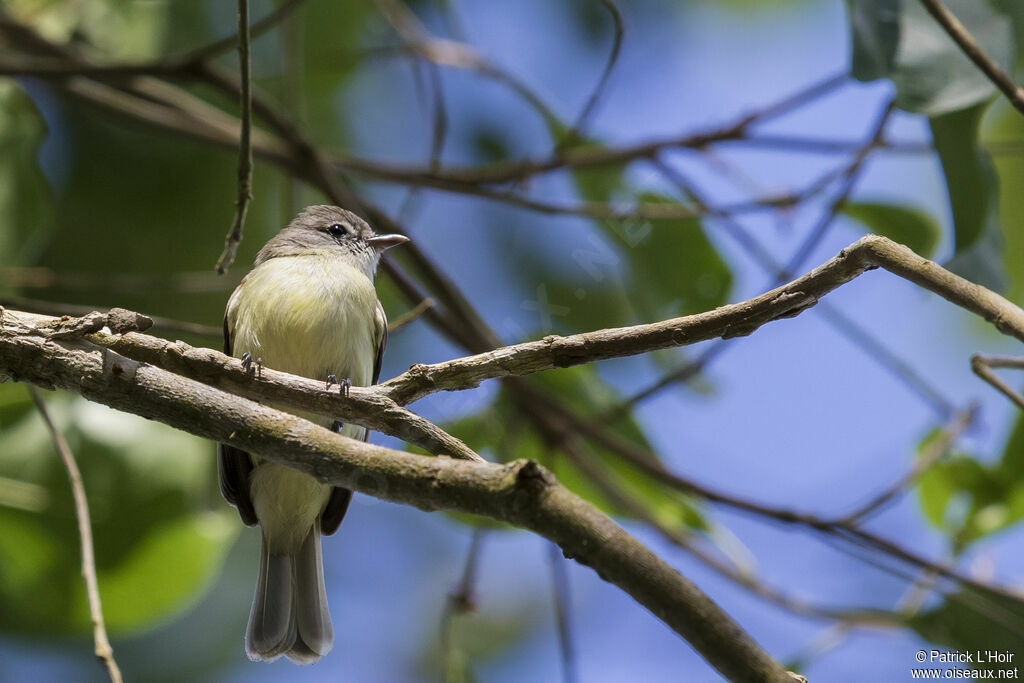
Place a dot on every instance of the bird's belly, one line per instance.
(287, 503)
(308, 316)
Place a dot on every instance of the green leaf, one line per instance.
(932, 75)
(875, 28)
(1006, 125)
(26, 205)
(476, 638)
(1015, 10)
(144, 481)
(166, 573)
(590, 396)
(674, 267)
(907, 225)
(975, 621)
(973, 196)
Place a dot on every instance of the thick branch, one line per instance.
(521, 493)
(363, 405)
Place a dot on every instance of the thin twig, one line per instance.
(982, 367)
(234, 237)
(851, 175)
(460, 601)
(450, 53)
(277, 16)
(936, 449)
(58, 309)
(849, 328)
(579, 127)
(104, 652)
(411, 315)
(970, 47)
(563, 622)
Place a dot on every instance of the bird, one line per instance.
(307, 307)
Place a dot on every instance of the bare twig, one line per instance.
(234, 237)
(104, 652)
(267, 23)
(58, 309)
(935, 450)
(411, 315)
(579, 127)
(850, 177)
(733, 320)
(459, 602)
(451, 53)
(856, 333)
(563, 622)
(970, 47)
(982, 367)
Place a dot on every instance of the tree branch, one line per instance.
(104, 652)
(521, 493)
(733, 320)
(234, 237)
(970, 47)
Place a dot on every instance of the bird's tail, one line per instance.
(289, 612)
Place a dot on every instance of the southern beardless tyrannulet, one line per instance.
(307, 307)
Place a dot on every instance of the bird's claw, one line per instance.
(343, 386)
(248, 362)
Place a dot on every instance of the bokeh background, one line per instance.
(98, 209)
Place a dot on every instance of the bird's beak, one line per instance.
(382, 242)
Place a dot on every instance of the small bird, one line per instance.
(308, 307)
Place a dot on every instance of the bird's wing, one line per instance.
(233, 465)
(380, 337)
(337, 504)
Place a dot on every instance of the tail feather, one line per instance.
(272, 627)
(311, 613)
(289, 611)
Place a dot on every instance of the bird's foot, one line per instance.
(248, 362)
(343, 386)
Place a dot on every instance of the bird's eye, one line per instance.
(337, 230)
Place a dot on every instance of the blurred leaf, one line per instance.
(1014, 10)
(973, 195)
(172, 566)
(875, 28)
(144, 482)
(674, 265)
(479, 637)
(974, 621)
(1007, 127)
(907, 225)
(121, 30)
(15, 403)
(988, 498)
(503, 431)
(26, 205)
(1011, 465)
(931, 73)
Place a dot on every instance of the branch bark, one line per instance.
(733, 320)
(520, 493)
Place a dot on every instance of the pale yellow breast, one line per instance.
(307, 315)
